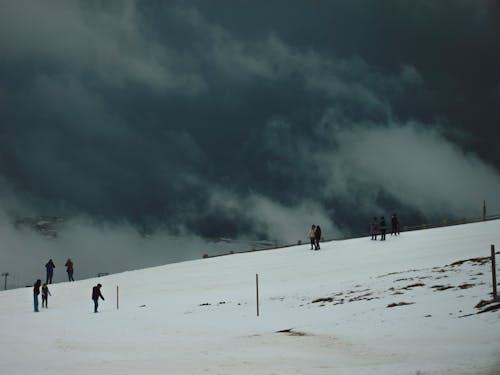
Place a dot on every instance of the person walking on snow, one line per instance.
(317, 237)
(312, 236)
(96, 293)
(374, 228)
(50, 271)
(36, 292)
(45, 295)
(394, 225)
(69, 269)
(383, 229)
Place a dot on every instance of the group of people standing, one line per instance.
(377, 227)
(315, 236)
(49, 267)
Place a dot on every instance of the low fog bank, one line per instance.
(94, 249)
(97, 247)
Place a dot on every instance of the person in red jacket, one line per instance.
(69, 269)
(36, 292)
(395, 225)
(317, 237)
(96, 293)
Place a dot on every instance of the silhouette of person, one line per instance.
(317, 237)
(383, 229)
(69, 269)
(50, 271)
(36, 292)
(96, 294)
(45, 295)
(394, 225)
(374, 228)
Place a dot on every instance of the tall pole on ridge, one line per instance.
(494, 272)
(5, 274)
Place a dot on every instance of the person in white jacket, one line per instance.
(312, 236)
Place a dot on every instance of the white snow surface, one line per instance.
(200, 317)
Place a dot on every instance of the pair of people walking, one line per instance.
(315, 236)
(376, 227)
(49, 267)
(36, 293)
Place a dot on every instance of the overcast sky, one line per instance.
(249, 119)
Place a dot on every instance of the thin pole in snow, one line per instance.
(494, 272)
(117, 297)
(257, 291)
(5, 274)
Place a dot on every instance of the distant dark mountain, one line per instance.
(45, 225)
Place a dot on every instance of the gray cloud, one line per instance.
(103, 44)
(434, 167)
(186, 120)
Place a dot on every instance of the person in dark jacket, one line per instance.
(96, 294)
(383, 228)
(36, 292)
(394, 225)
(45, 295)
(317, 237)
(50, 271)
(374, 228)
(69, 269)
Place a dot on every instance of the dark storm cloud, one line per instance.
(248, 120)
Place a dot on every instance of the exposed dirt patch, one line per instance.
(490, 308)
(400, 304)
(483, 303)
(292, 332)
(441, 287)
(327, 299)
(481, 260)
(364, 297)
(413, 286)
(466, 286)
(360, 293)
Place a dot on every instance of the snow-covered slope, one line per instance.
(354, 307)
